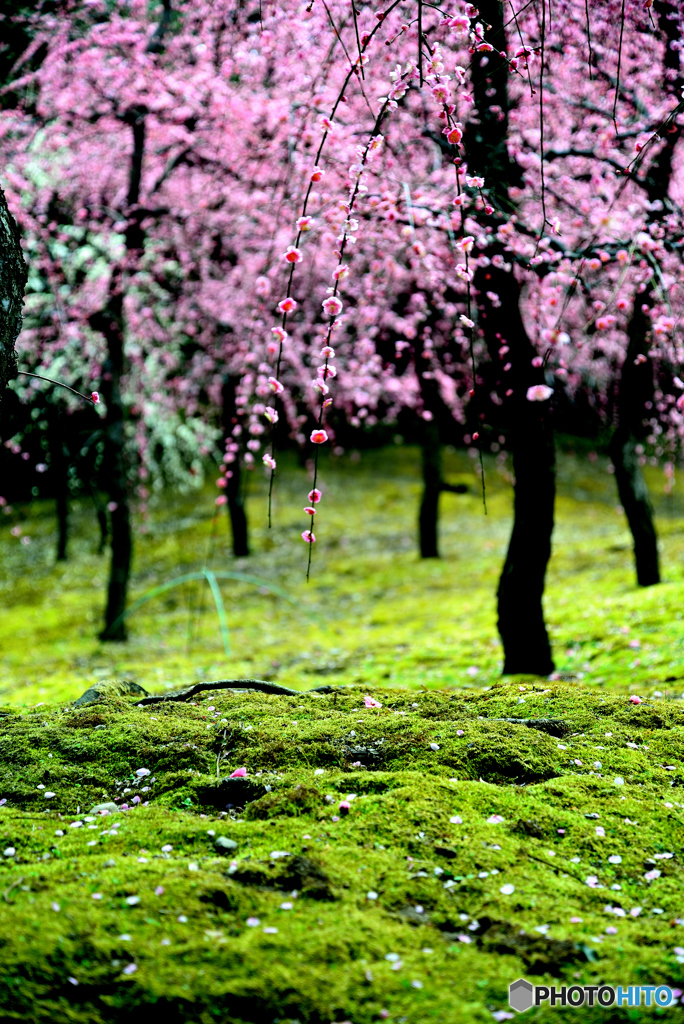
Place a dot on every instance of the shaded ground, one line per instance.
(380, 614)
(461, 853)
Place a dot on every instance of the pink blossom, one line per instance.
(341, 272)
(327, 352)
(327, 371)
(221, 482)
(465, 244)
(239, 773)
(371, 702)
(466, 321)
(310, 510)
(293, 255)
(268, 461)
(304, 223)
(280, 334)
(332, 306)
(320, 386)
(287, 305)
(539, 393)
(315, 496)
(319, 436)
(317, 173)
(308, 537)
(455, 134)
(221, 500)
(635, 700)
(95, 398)
(271, 414)
(275, 386)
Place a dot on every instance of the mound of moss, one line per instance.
(402, 863)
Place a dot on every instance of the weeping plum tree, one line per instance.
(529, 427)
(373, 234)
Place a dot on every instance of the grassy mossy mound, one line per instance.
(402, 863)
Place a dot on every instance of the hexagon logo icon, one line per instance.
(521, 995)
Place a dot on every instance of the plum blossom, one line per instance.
(308, 537)
(287, 305)
(95, 398)
(371, 702)
(315, 495)
(319, 436)
(275, 386)
(293, 255)
(268, 461)
(332, 305)
(304, 223)
(539, 393)
(271, 414)
(239, 773)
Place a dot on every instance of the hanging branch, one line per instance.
(617, 83)
(591, 56)
(93, 398)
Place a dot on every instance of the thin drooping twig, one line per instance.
(420, 41)
(541, 118)
(619, 65)
(260, 685)
(358, 40)
(86, 398)
(591, 58)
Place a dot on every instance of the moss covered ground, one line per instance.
(401, 863)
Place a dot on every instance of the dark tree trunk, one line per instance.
(13, 275)
(234, 492)
(110, 323)
(635, 501)
(636, 380)
(636, 387)
(432, 486)
(60, 469)
(521, 586)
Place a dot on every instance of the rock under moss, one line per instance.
(429, 834)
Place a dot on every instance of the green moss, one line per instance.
(414, 867)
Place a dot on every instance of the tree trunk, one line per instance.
(635, 501)
(432, 485)
(110, 324)
(636, 387)
(60, 468)
(521, 586)
(13, 275)
(234, 492)
(636, 379)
